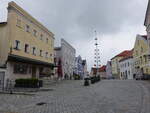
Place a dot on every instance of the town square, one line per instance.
(78, 56)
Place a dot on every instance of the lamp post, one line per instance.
(97, 55)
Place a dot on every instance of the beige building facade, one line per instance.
(141, 57)
(115, 66)
(26, 46)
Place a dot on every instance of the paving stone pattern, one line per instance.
(108, 96)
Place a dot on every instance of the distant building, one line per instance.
(109, 70)
(26, 46)
(85, 71)
(58, 74)
(115, 63)
(126, 67)
(66, 53)
(94, 71)
(102, 72)
(79, 69)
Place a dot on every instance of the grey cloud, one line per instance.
(73, 19)
(108, 16)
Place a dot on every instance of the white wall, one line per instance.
(126, 67)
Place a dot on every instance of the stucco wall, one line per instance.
(126, 66)
(141, 58)
(19, 33)
(68, 57)
(4, 44)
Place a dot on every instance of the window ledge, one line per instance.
(27, 52)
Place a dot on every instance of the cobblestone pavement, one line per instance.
(112, 96)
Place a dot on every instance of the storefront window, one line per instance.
(20, 68)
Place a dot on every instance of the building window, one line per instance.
(129, 72)
(27, 28)
(141, 49)
(20, 68)
(138, 42)
(41, 52)
(146, 71)
(34, 32)
(33, 51)
(26, 49)
(141, 60)
(51, 55)
(17, 45)
(47, 40)
(46, 54)
(137, 53)
(145, 59)
(148, 57)
(51, 44)
(41, 37)
(19, 22)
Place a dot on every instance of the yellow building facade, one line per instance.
(115, 66)
(141, 57)
(26, 46)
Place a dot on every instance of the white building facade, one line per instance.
(85, 71)
(126, 68)
(67, 55)
(79, 69)
(108, 70)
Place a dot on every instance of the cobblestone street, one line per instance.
(112, 96)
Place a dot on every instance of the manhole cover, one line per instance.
(41, 103)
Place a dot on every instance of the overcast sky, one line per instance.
(117, 22)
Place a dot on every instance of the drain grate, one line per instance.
(41, 103)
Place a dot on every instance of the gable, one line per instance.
(140, 46)
(147, 15)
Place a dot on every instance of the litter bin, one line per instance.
(86, 82)
(40, 83)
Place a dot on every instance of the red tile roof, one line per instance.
(123, 54)
(128, 55)
(103, 69)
